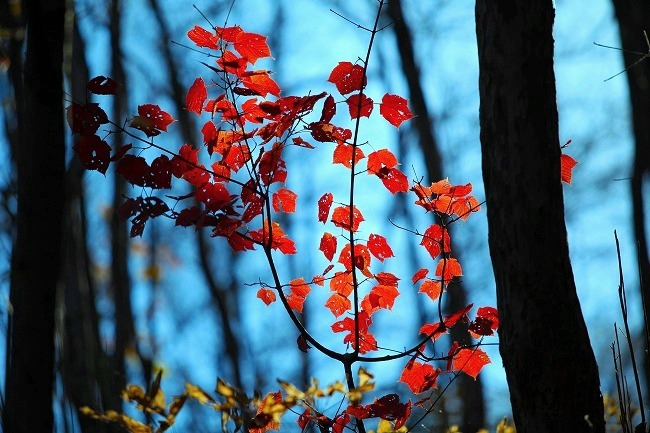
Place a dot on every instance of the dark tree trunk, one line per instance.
(550, 366)
(36, 265)
(470, 391)
(633, 18)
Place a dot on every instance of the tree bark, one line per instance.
(633, 18)
(550, 366)
(36, 264)
(469, 391)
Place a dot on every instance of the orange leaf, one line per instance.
(419, 377)
(266, 295)
(343, 154)
(338, 304)
(470, 361)
(380, 297)
(432, 289)
(341, 283)
(261, 83)
(299, 292)
(380, 159)
(451, 269)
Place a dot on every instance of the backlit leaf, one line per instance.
(196, 96)
(347, 77)
(328, 245)
(566, 165)
(470, 361)
(266, 295)
(324, 204)
(341, 218)
(379, 247)
(419, 377)
(284, 200)
(395, 109)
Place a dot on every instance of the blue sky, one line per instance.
(312, 40)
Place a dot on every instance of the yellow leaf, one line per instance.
(198, 394)
(364, 376)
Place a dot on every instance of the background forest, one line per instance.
(182, 302)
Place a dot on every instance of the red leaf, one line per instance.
(379, 247)
(486, 322)
(470, 361)
(394, 180)
(196, 96)
(135, 170)
(93, 153)
(389, 408)
(420, 274)
(450, 267)
(203, 38)
(341, 218)
(329, 110)
(566, 165)
(452, 319)
(324, 204)
(121, 152)
(85, 119)
(359, 105)
(340, 422)
(302, 143)
(161, 171)
(387, 279)
(186, 159)
(302, 344)
(213, 195)
(338, 304)
(251, 46)
(231, 63)
(266, 295)
(101, 85)
(284, 200)
(367, 341)
(151, 120)
(328, 246)
(343, 154)
(432, 289)
(435, 240)
(279, 240)
(395, 109)
(419, 377)
(342, 283)
(261, 83)
(347, 77)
